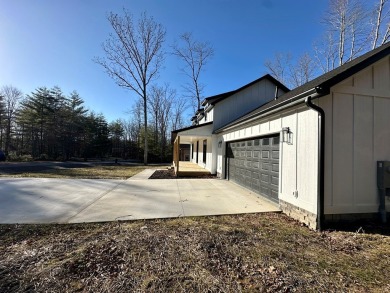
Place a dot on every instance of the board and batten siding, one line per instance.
(209, 157)
(298, 160)
(357, 135)
(208, 116)
(243, 102)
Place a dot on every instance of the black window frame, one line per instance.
(204, 151)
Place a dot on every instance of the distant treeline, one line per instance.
(49, 125)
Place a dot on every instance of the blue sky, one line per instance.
(53, 42)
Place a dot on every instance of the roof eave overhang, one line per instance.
(315, 92)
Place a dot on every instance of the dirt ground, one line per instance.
(170, 174)
(244, 253)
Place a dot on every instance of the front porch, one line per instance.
(198, 138)
(189, 169)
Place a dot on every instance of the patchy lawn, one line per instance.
(75, 170)
(250, 253)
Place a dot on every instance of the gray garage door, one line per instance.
(254, 164)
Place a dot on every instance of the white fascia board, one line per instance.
(198, 133)
(208, 107)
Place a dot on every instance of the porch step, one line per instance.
(191, 169)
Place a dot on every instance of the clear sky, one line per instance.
(53, 42)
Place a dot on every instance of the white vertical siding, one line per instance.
(298, 160)
(357, 135)
(307, 159)
(343, 149)
(208, 117)
(220, 157)
(209, 154)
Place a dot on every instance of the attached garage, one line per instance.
(254, 164)
(314, 150)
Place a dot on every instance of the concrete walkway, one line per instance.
(28, 200)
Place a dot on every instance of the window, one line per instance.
(265, 141)
(204, 151)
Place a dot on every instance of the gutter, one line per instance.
(305, 97)
(321, 161)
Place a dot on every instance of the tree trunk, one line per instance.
(8, 137)
(146, 130)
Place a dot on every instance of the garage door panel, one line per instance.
(255, 165)
(265, 166)
(274, 180)
(275, 155)
(264, 154)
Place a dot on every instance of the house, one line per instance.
(312, 150)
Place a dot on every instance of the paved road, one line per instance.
(29, 200)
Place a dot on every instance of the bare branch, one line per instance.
(195, 56)
(134, 55)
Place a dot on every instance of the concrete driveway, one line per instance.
(28, 200)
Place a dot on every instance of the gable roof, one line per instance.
(320, 85)
(217, 98)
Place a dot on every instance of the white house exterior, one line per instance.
(312, 150)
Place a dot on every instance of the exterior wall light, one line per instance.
(220, 144)
(286, 135)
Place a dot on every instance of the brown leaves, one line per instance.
(264, 252)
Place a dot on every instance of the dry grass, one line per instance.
(86, 172)
(245, 253)
(95, 172)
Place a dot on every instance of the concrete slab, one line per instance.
(75, 201)
(135, 199)
(31, 200)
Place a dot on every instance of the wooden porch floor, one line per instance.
(191, 169)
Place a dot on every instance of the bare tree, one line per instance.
(325, 53)
(2, 114)
(162, 99)
(279, 66)
(302, 71)
(133, 56)
(346, 23)
(195, 56)
(381, 23)
(177, 120)
(291, 73)
(11, 97)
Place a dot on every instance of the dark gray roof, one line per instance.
(321, 84)
(217, 98)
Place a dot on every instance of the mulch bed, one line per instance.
(169, 174)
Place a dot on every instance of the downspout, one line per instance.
(321, 161)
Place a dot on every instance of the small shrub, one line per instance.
(13, 157)
(26, 158)
(43, 157)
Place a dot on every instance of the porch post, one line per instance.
(176, 154)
